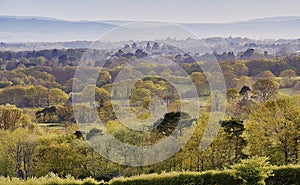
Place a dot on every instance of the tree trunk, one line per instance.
(296, 151)
(286, 155)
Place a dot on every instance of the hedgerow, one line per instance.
(283, 175)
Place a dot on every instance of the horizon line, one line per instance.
(126, 20)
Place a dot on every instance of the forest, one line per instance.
(40, 108)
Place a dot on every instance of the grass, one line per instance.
(288, 91)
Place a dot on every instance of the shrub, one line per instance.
(5, 84)
(50, 179)
(176, 178)
(253, 171)
(285, 175)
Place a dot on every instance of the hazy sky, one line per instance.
(159, 10)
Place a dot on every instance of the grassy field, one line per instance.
(289, 91)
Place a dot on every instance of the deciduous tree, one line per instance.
(265, 89)
(273, 130)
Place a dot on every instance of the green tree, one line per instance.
(12, 118)
(232, 94)
(103, 79)
(240, 69)
(201, 83)
(230, 79)
(58, 154)
(273, 130)
(13, 95)
(140, 97)
(266, 75)
(289, 73)
(35, 96)
(1, 63)
(66, 114)
(194, 158)
(253, 171)
(57, 97)
(71, 88)
(101, 96)
(40, 60)
(20, 149)
(288, 77)
(233, 133)
(265, 89)
(243, 81)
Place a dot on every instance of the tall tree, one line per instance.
(273, 130)
(288, 77)
(11, 118)
(57, 97)
(19, 147)
(265, 89)
(103, 79)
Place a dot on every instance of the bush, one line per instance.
(4, 84)
(256, 170)
(285, 175)
(186, 178)
(50, 179)
(253, 171)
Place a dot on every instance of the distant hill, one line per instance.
(24, 29)
(115, 22)
(16, 29)
(275, 19)
(267, 28)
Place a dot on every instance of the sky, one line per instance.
(180, 11)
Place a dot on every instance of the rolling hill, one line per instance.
(41, 29)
